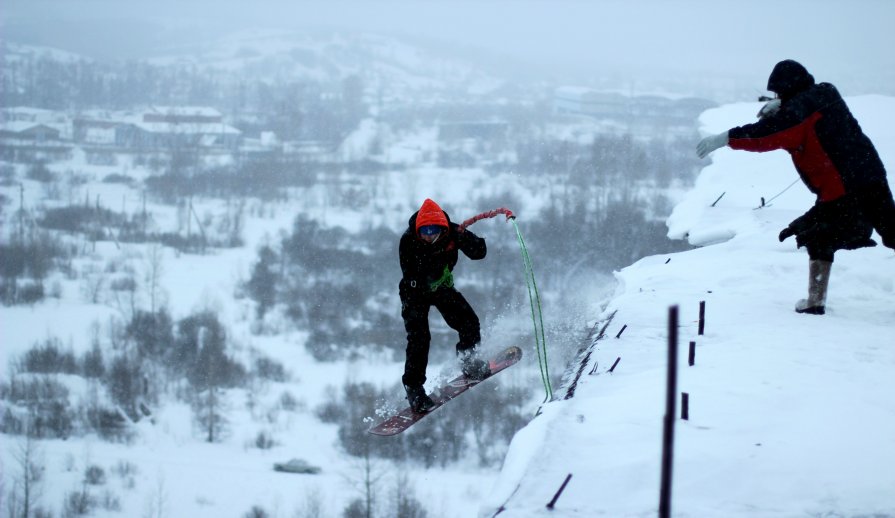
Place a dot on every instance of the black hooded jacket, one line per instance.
(828, 148)
(423, 263)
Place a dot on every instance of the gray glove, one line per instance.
(769, 109)
(709, 144)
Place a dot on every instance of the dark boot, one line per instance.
(818, 280)
(473, 367)
(419, 401)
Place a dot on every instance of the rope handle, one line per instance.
(485, 215)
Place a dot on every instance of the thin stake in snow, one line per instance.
(719, 198)
(559, 492)
(622, 331)
(701, 317)
(691, 357)
(668, 431)
(614, 364)
(685, 406)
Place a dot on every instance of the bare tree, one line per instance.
(154, 270)
(209, 413)
(312, 506)
(212, 371)
(234, 221)
(157, 502)
(405, 504)
(365, 479)
(123, 296)
(26, 488)
(93, 286)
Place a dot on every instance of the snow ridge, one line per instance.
(790, 415)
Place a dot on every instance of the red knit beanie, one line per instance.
(430, 214)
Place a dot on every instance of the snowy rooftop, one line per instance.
(789, 415)
(181, 111)
(186, 128)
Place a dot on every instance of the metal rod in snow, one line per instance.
(701, 317)
(559, 492)
(614, 364)
(622, 331)
(668, 431)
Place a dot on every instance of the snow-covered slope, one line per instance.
(789, 415)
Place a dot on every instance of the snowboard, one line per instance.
(453, 388)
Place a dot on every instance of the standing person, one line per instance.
(428, 252)
(835, 160)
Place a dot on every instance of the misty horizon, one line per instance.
(563, 42)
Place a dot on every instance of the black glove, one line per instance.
(786, 233)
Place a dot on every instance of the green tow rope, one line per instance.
(537, 318)
(534, 298)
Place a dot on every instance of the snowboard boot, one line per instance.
(419, 401)
(473, 367)
(818, 280)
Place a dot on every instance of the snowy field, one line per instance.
(175, 473)
(789, 415)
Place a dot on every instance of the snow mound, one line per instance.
(789, 415)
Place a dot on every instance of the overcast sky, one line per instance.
(838, 40)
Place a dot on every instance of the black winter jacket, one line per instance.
(423, 263)
(831, 153)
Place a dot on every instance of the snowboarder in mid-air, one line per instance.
(834, 158)
(428, 252)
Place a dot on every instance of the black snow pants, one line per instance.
(879, 209)
(827, 227)
(457, 313)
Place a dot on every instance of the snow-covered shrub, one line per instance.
(38, 406)
(153, 334)
(95, 475)
(269, 369)
(110, 424)
(40, 172)
(256, 512)
(289, 403)
(49, 358)
(264, 441)
(24, 264)
(124, 382)
(78, 503)
(110, 501)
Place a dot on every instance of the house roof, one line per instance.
(20, 112)
(195, 128)
(185, 111)
(24, 126)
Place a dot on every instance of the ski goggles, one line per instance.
(431, 230)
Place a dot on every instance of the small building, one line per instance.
(584, 101)
(183, 115)
(319, 151)
(29, 131)
(28, 114)
(23, 141)
(91, 131)
(160, 135)
(50, 118)
(492, 131)
(157, 128)
(637, 110)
